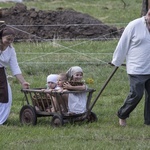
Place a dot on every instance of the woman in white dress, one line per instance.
(76, 101)
(8, 58)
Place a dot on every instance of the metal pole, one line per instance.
(102, 89)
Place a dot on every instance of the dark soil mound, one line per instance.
(61, 24)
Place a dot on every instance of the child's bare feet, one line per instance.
(37, 108)
(50, 110)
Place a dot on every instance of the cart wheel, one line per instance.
(92, 117)
(57, 121)
(28, 115)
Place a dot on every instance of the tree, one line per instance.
(145, 7)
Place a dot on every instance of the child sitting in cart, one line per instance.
(51, 85)
(62, 78)
(52, 82)
(55, 83)
(63, 99)
(76, 101)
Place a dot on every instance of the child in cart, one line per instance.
(63, 99)
(62, 78)
(51, 82)
(55, 83)
(76, 101)
(51, 85)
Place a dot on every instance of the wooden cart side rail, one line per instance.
(35, 100)
(63, 92)
(89, 97)
(25, 94)
(52, 101)
(49, 100)
(43, 101)
(39, 100)
(65, 105)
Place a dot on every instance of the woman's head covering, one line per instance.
(7, 31)
(73, 70)
(52, 78)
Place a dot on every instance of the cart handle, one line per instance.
(102, 89)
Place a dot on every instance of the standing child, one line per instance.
(76, 101)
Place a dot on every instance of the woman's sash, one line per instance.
(3, 86)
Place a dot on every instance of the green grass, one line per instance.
(37, 60)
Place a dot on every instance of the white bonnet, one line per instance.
(73, 70)
(52, 78)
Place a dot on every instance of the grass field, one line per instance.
(37, 60)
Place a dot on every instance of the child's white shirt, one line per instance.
(77, 102)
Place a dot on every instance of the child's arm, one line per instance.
(68, 86)
(46, 90)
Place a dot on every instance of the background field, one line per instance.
(37, 60)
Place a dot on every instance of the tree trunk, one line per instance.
(145, 7)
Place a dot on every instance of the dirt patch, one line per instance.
(59, 24)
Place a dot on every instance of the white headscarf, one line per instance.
(73, 70)
(52, 78)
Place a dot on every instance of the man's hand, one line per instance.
(111, 64)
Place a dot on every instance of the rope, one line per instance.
(56, 53)
(63, 25)
(98, 38)
(24, 31)
(75, 39)
(64, 47)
